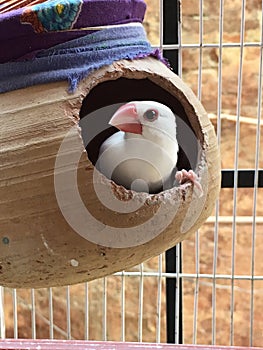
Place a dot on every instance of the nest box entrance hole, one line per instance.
(106, 97)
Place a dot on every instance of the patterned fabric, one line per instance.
(62, 15)
(49, 41)
(27, 30)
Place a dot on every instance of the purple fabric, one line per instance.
(20, 40)
(43, 43)
(75, 59)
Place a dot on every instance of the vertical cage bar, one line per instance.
(179, 68)
(171, 28)
(196, 292)
(200, 63)
(68, 312)
(220, 67)
(255, 190)
(216, 229)
(159, 300)
(140, 318)
(14, 300)
(161, 18)
(2, 314)
(199, 95)
(171, 17)
(51, 314)
(123, 307)
(33, 314)
(239, 93)
(86, 321)
(104, 310)
(178, 296)
(217, 207)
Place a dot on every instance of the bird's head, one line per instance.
(147, 118)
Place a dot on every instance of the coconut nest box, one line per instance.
(55, 227)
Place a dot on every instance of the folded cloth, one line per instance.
(76, 58)
(34, 27)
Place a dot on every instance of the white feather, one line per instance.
(133, 160)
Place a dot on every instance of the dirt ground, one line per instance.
(238, 144)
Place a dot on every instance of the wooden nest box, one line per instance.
(61, 222)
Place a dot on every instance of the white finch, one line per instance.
(142, 156)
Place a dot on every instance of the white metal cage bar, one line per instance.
(255, 192)
(51, 318)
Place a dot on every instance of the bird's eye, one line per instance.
(151, 115)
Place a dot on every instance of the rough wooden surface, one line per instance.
(38, 246)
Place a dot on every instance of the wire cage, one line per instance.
(209, 289)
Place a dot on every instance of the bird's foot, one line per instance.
(183, 176)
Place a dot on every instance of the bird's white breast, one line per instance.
(127, 160)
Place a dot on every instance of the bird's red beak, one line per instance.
(126, 119)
